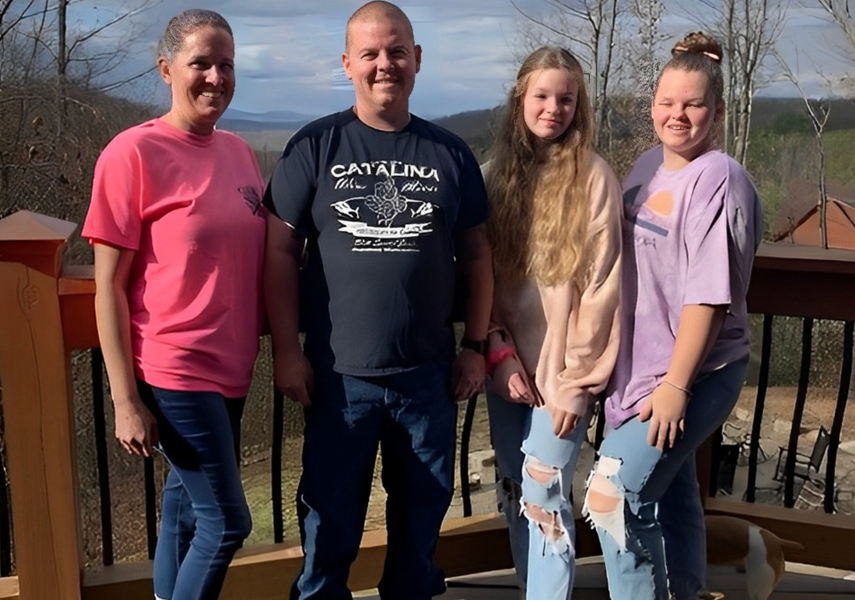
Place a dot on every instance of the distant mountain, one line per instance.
(272, 116)
(276, 120)
(270, 130)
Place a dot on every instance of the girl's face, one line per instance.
(683, 115)
(549, 104)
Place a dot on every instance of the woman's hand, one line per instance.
(136, 428)
(666, 410)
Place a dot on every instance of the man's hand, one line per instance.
(467, 375)
(511, 383)
(136, 428)
(666, 410)
(294, 377)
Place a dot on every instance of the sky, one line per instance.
(288, 52)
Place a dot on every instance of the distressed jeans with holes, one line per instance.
(523, 439)
(653, 541)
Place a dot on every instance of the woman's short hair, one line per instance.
(185, 23)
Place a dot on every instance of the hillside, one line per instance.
(271, 130)
(781, 113)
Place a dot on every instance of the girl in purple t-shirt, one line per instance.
(692, 224)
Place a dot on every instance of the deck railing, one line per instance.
(46, 313)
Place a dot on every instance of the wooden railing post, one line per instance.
(38, 408)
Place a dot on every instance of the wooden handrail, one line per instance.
(784, 273)
(37, 407)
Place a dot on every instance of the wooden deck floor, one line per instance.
(800, 583)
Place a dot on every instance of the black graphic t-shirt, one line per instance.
(380, 210)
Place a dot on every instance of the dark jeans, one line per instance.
(654, 541)
(204, 515)
(412, 416)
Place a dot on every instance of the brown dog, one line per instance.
(759, 552)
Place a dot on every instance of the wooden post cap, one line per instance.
(35, 240)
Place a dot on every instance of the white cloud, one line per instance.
(289, 52)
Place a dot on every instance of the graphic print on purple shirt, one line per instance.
(689, 238)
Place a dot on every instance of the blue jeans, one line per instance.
(413, 418)
(654, 542)
(523, 436)
(204, 515)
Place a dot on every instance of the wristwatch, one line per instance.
(479, 346)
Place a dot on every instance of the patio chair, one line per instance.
(807, 466)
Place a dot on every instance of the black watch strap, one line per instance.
(479, 346)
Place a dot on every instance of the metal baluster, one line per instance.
(100, 427)
(468, 419)
(150, 506)
(276, 466)
(759, 406)
(798, 412)
(600, 431)
(840, 409)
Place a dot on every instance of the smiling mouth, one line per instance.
(212, 94)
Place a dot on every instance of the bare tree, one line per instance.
(818, 112)
(645, 49)
(840, 13)
(53, 119)
(749, 31)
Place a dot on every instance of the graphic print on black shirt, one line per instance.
(385, 219)
(381, 210)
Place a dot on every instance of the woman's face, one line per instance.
(683, 114)
(202, 78)
(549, 104)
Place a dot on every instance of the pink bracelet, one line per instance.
(496, 356)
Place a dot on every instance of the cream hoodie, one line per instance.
(566, 336)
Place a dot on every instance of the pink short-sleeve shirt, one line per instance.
(190, 206)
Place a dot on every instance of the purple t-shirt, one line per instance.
(689, 238)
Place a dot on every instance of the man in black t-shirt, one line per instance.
(389, 206)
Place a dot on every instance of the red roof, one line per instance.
(840, 226)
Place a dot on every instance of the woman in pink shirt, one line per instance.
(692, 225)
(178, 233)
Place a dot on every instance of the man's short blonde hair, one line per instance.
(377, 10)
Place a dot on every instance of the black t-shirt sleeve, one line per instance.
(292, 186)
(473, 194)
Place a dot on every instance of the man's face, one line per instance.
(382, 61)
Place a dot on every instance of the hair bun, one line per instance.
(698, 42)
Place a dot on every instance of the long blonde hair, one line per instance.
(540, 211)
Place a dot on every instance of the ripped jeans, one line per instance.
(645, 504)
(536, 474)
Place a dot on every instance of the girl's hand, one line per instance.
(563, 421)
(136, 428)
(510, 381)
(666, 410)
